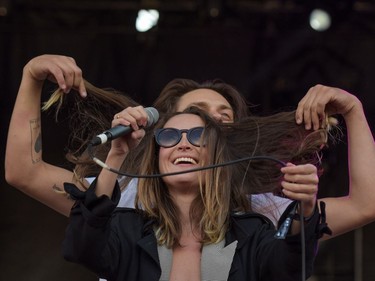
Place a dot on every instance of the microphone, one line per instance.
(121, 130)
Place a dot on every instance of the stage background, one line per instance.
(264, 48)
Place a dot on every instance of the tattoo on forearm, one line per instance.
(36, 140)
(61, 191)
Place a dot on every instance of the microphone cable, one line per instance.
(283, 229)
(105, 166)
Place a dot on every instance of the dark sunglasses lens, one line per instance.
(195, 135)
(168, 137)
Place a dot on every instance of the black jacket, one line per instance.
(119, 244)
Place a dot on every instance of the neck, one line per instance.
(183, 196)
(183, 201)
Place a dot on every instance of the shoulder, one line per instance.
(131, 214)
(270, 205)
(130, 220)
(126, 212)
(247, 225)
(250, 218)
(269, 199)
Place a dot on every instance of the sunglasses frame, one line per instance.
(179, 132)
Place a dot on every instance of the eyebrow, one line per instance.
(205, 105)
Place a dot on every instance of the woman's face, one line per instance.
(210, 101)
(182, 156)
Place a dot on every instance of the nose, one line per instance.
(216, 115)
(184, 144)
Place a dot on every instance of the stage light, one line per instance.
(146, 19)
(4, 8)
(320, 20)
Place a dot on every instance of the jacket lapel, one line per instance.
(240, 230)
(149, 245)
(216, 261)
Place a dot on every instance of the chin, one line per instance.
(183, 180)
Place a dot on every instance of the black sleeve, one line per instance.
(88, 238)
(281, 259)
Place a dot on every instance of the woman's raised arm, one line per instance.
(357, 208)
(24, 165)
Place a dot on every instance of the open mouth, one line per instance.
(185, 160)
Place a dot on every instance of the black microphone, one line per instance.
(121, 130)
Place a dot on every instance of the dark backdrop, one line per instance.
(264, 48)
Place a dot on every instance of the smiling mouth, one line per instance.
(185, 160)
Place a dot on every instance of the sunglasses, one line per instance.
(168, 137)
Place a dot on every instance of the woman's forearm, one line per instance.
(24, 147)
(359, 204)
(107, 179)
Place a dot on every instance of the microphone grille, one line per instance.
(153, 116)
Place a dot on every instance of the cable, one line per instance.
(105, 166)
(302, 234)
(284, 229)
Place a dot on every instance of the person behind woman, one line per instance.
(200, 219)
(26, 170)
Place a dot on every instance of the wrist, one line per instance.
(356, 108)
(29, 78)
(115, 158)
(306, 218)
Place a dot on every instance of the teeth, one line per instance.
(184, 159)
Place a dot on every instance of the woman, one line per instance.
(186, 220)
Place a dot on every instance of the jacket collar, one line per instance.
(239, 230)
(149, 245)
(148, 242)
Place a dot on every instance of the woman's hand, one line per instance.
(59, 69)
(301, 183)
(136, 118)
(321, 100)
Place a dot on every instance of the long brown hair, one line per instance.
(87, 118)
(276, 136)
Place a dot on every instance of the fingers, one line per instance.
(62, 70)
(68, 75)
(311, 109)
(321, 101)
(137, 136)
(135, 117)
(299, 192)
(300, 182)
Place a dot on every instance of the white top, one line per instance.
(216, 261)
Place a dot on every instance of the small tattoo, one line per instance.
(38, 144)
(36, 140)
(61, 191)
(56, 188)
